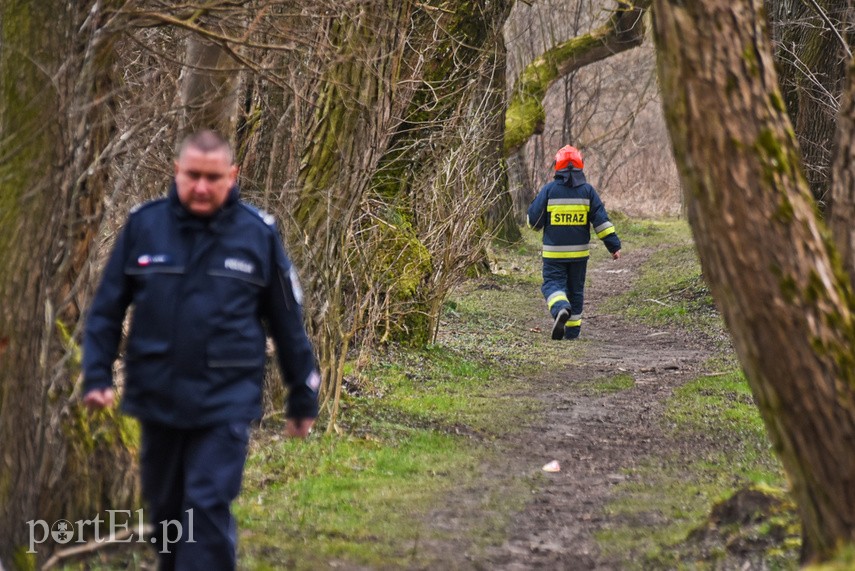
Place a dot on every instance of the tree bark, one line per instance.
(455, 122)
(841, 211)
(55, 116)
(525, 115)
(776, 278)
(211, 79)
(353, 117)
(811, 63)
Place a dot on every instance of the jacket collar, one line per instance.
(571, 176)
(214, 222)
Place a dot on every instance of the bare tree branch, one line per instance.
(525, 115)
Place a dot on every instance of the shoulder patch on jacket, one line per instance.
(296, 288)
(263, 215)
(267, 217)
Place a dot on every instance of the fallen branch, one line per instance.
(93, 546)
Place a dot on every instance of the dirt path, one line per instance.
(595, 437)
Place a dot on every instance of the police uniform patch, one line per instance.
(267, 217)
(295, 285)
(239, 265)
(314, 381)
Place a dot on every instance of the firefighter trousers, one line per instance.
(564, 287)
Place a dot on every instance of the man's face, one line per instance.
(204, 180)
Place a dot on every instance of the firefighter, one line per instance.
(565, 209)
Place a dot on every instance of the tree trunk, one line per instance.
(500, 217)
(209, 88)
(841, 211)
(353, 116)
(811, 63)
(780, 286)
(55, 116)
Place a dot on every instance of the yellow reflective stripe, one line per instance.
(606, 232)
(576, 323)
(556, 299)
(565, 255)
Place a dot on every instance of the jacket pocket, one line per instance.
(240, 276)
(235, 354)
(139, 349)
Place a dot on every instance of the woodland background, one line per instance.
(394, 141)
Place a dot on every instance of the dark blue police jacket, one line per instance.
(202, 290)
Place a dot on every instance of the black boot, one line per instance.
(560, 320)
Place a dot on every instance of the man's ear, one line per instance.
(176, 167)
(234, 170)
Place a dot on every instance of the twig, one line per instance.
(94, 545)
(657, 301)
(429, 8)
(830, 24)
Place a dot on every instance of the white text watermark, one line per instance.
(118, 526)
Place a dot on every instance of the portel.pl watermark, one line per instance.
(115, 527)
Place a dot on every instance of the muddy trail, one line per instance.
(596, 438)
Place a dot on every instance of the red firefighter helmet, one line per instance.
(568, 156)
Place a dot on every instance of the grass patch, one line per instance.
(344, 498)
(662, 513)
(663, 516)
(670, 290)
(442, 388)
(637, 233)
(416, 429)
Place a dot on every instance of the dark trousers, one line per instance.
(190, 478)
(564, 287)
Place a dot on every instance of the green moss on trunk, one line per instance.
(432, 118)
(525, 114)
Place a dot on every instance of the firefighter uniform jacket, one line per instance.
(201, 291)
(565, 209)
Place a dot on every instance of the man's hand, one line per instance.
(96, 399)
(616, 255)
(299, 427)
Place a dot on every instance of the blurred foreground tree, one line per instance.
(56, 120)
(765, 252)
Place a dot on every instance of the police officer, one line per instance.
(565, 209)
(205, 274)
